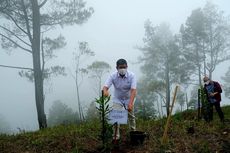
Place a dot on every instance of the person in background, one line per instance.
(213, 91)
(124, 83)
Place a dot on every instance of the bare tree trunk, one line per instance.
(204, 59)
(186, 99)
(210, 74)
(81, 117)
(199, 73)
(38, 77)
(158, 107)
(167, 88)
(99, 88)
(162, 114)
(212, 53)
(80, 111)
(198, 62)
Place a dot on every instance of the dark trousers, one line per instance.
(218, 109)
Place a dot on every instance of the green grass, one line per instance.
(83, 138)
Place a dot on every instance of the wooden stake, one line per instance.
(164, 138)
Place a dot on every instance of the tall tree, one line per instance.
(96, 71)
(193, 37)
(206, 39)
(26, 20)
(181, 99)
(162, 59)
(82, 52)
(217, 29)
(226, 79)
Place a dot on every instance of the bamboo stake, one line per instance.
(164, 138)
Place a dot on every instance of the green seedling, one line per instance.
(106, 130)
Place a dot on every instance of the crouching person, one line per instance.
(124, 83)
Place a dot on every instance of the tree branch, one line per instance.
(7, 4)
(209, 69)
(163, 97)
(51, 24)
(16, 67)
(27, 21)
(15, 22)
(43, 3)
(25, 49)
(15, 35)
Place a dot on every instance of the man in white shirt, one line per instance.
(124, 83)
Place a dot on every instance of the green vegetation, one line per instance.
(106, 129)
(60, 113)
(206, 137)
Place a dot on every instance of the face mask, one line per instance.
(207, 82)
(122, 71)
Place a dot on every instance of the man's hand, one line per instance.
(131, 102)
(130, 107)
(213, 94)
(106, 93)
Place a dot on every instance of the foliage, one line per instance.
(226, 79)
(145, 110)
(217, 30)
(96, 71)
(106, 129)
(60, 113)
(145, 101)
(205, 38)
(48, 47)
(92, 112)
(162, 58)
(204, 104)
(193, 37)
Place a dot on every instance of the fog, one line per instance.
(113, 32)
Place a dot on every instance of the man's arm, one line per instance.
(218, 89)
(107, 85)
(132, 97)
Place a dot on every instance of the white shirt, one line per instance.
(122, 86)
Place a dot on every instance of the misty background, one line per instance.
(113, 32)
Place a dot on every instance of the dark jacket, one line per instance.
(217, 88)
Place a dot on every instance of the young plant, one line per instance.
(204, 103)
(106, 131)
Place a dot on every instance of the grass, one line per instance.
(83, 138)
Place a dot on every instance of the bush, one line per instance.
(4, 125)
(60, 113)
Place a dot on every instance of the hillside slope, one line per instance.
(203, 138)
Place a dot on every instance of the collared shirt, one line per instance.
(122, 86)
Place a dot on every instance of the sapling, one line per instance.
(204, 103)
(106, 130)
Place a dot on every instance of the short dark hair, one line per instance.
(121, 62)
